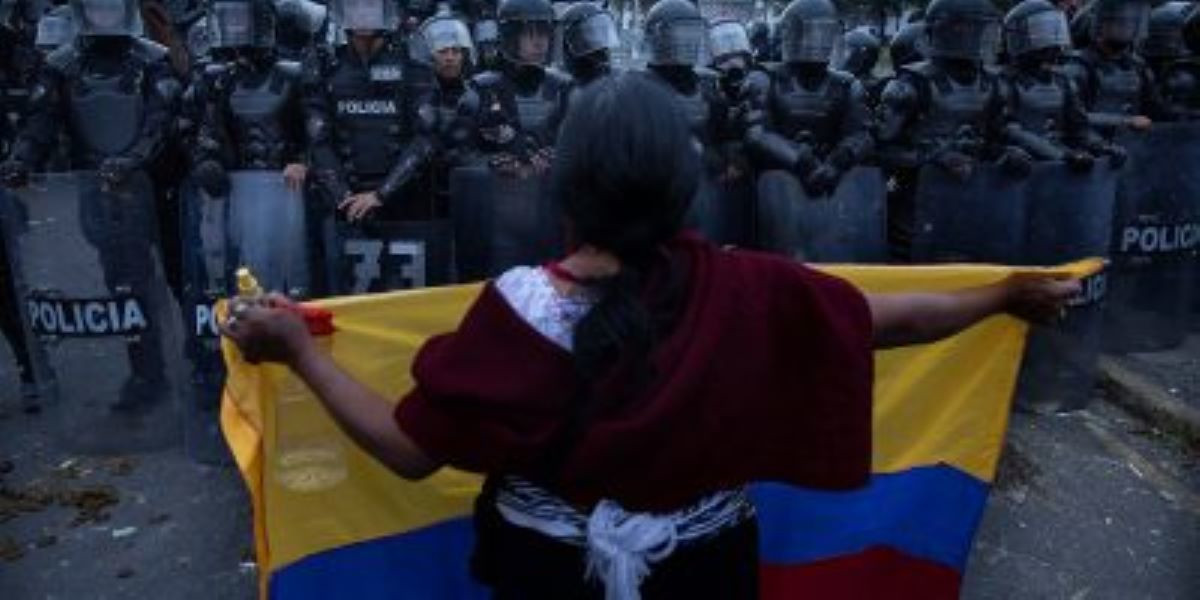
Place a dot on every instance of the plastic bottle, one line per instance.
(309, 454)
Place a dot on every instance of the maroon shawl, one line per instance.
(767, 377)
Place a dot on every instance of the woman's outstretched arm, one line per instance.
(919, 318)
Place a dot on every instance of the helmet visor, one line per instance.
(526, 42)
(1040, 31)
(233, 25)
(967, 39)
(365, 15)
(54, 31)
(446, 33)
(107, 17)
(812, 40)
(728, 38)
(676, 43)
(1125, 23)
(595, 33)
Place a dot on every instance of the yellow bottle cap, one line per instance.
(247, 285)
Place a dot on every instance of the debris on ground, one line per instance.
(10, 550)
(1016, 473)
(90, 502)
(120, 466)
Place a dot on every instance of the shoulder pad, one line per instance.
(558, 77)
(1079, 57)
(923, 69)
(63, 58)
(148, 50)
(214, 69)
(468, 103)
(487, 79)
(706, 73)
(289, 68)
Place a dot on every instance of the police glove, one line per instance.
(1117, 156)
(116, 170)
(212, 178)
(14, 173)
(823, 180)
(1015, 162)
(805, 161)
(956, 163)
(1079, 161)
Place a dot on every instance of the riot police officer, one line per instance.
(737, 77)
(1116, 85)
(523, 101)
(674, 35)
(1175, 67)
(19, 65)
(732, 56)
(487, 44)
(251, 116)
(589, 38)
(113, 95)
(948, 111)
(811, 120)
(859, 55)
(1049, 118)
(444, 127)
(763, 43)
(299, 25)
(17, 70)
(111, 90)
(908, 45)
(359, 104)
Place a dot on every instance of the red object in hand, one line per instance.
(319, 320)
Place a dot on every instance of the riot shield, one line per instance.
(501, 222)
(1156, 231)
(849, 226)
(89, 273)
(722, 212)
(981, 219)
(1070, 218)
(380, 256)
(262, 225)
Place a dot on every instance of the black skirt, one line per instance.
(522, 564)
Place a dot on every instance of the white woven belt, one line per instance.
(620, 545)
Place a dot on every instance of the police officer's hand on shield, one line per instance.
(14, 173)
(956, 163)
(1079, 161)
(1139, 123)
(1117, 155)
(116, 170)
(823, 180)
(1015, 162)
(358, 207)
(294, 175)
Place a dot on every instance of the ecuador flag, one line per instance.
(331, 522)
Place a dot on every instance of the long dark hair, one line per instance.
(625, 173)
